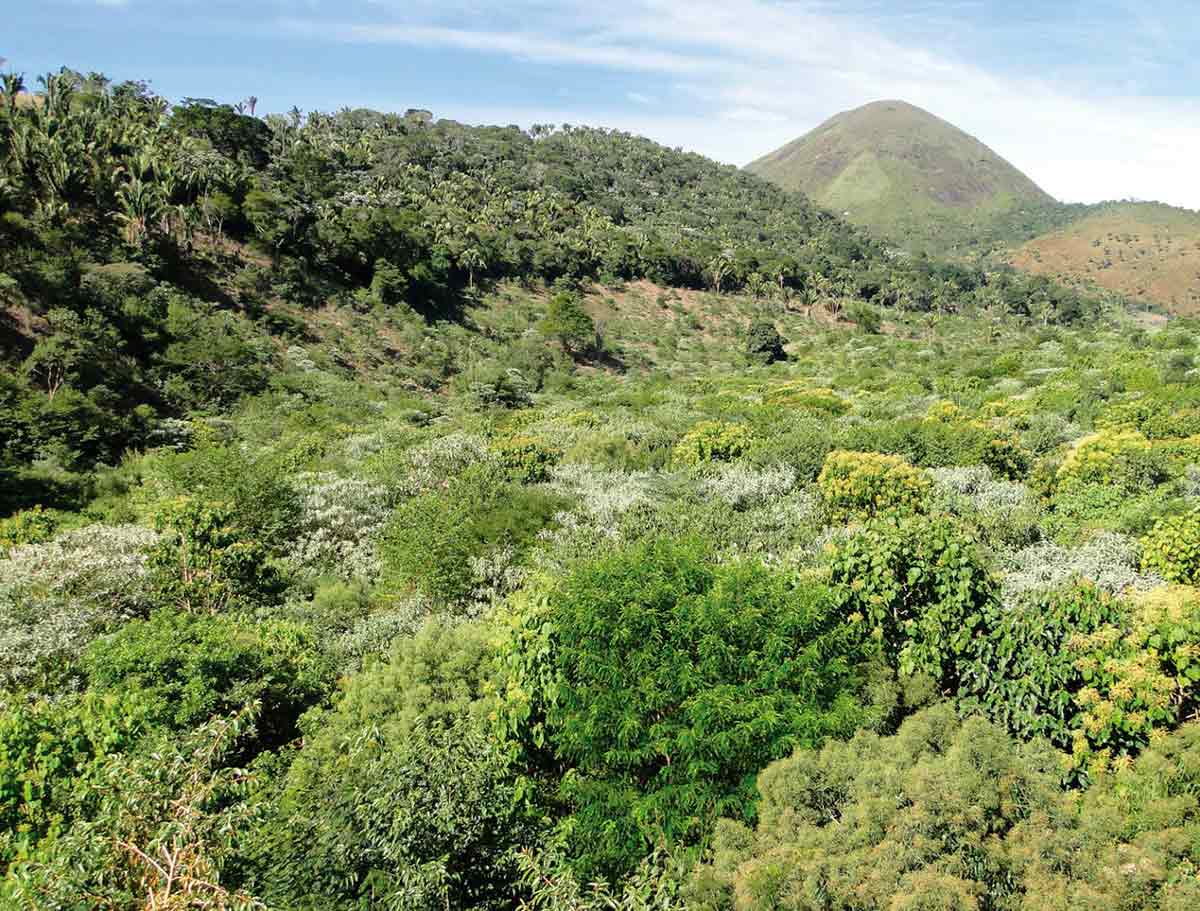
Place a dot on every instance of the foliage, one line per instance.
(764, 344)
(432, 538)
(971, 819)
(29, 526)
(399, 797)
(919, 586)
(161, 836)
(1121, 459)
(662, 684)
(569, 324)
(188, 668)
(864, 484)
(56, 597)
(713, 441)
(202, 564)
(526, 460)
(52, 756)
(1172, 549)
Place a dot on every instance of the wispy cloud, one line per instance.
(758, 73)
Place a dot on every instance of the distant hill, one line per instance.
(915, 180)
(1146, 251)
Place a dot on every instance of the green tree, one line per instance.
(569, 324)
(661, 685)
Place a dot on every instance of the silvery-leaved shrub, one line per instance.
(1109, 561)
(1006, 513)
(434, 463)
(339, 521)
(743, 487)
(58, 596)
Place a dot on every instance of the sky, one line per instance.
(1094, 100)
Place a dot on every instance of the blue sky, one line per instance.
(1095, 100)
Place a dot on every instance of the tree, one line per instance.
(661, 684)
(764, 344)
(569, 324)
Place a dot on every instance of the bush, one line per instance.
(30, 526)
(1172, 548)
(949, 814)
(764, 344)
(866, 317)
(1020, 671)
(339, 521)
(856, 485)
(569, 324)
(399, 792)
(526, 460)
(431, 540)
(56, 597)
(190, 668)
(662, 685)
(51, 758)
(202, 564)
(1121, 459)
(921, 588)
(713, 441)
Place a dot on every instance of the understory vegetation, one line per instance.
(402, 515)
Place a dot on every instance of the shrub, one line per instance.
(259, 496)
(857, 485)
(51, 757)
(764, 344)
(1172, 548)
(662, 685)
(435, 463)
(56, 597)
(201, 563)
(713, 441)
(742, 487)
(29, 526)
(1004, 513)
(339, 521)
(431, 540)
(803, 448)
(920, 586)
(188, 668)
(526, 460)
(866, 317)
(1115, 458)
(399, 792)
(1141, 675)
(950, 814)
(1021, 673)
(160, 828)
(803, 397)
(569, 324)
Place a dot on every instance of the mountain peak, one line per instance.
(902, 171)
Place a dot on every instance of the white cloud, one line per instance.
(760, 73)
(639, 98)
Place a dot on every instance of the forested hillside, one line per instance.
(404, 515)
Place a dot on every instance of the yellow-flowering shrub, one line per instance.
(1140, 678)
(944, 411)
(713, 441)
(807, 398)
(1121, 458)
(1172, 549)
(858, 485)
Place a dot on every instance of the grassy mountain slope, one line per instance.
(1146, 251)
(913, 178)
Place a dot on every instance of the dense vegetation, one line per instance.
(398, 514)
